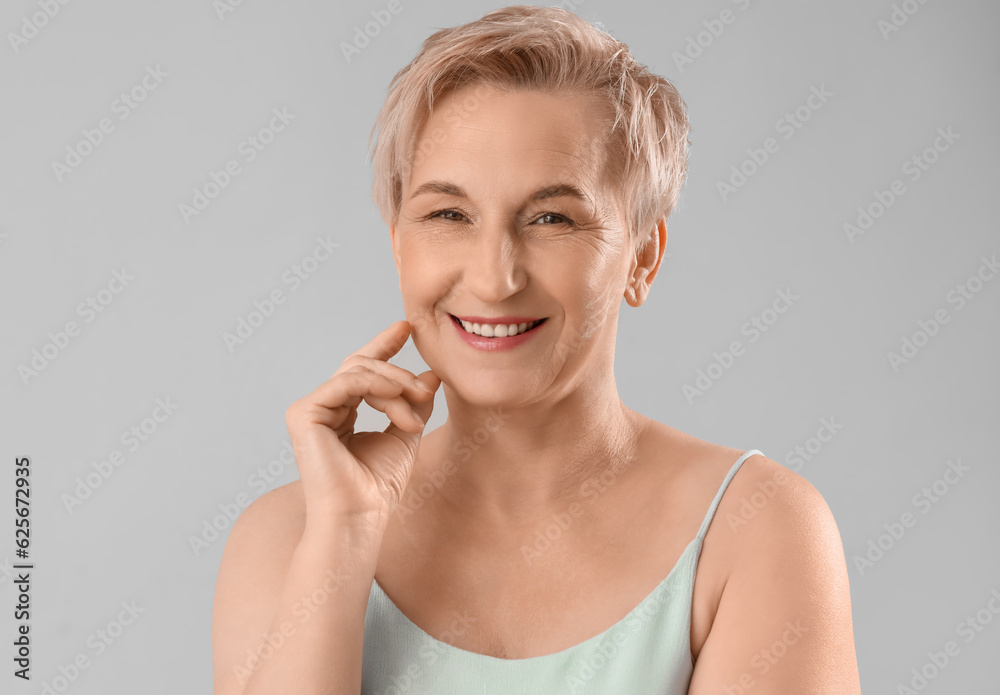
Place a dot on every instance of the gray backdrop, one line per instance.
(843, 157)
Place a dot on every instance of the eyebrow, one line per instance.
(554, 191)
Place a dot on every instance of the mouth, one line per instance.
(500, 327)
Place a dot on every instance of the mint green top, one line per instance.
(648, 651)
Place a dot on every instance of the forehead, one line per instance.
(521, 136)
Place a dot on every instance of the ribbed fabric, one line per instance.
(647, 652)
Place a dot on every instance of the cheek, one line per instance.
(422, 254)
(592, 290)
(580, 274)
(423, 282)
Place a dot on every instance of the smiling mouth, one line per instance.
(501, 330)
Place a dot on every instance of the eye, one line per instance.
(547, 219)
(446, 214)
(560, 219)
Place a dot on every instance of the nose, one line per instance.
(495, 270)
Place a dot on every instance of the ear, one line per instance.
(646, 264)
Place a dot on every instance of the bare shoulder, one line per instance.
(251, 574)
(695, 465)
(762, 489)
(771, 516)
(768, 510)
(774, 588)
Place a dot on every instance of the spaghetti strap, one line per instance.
(722, 489)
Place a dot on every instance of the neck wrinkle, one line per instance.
(531, 467)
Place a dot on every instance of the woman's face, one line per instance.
(506, 214)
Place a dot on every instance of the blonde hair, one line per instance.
(550, 49)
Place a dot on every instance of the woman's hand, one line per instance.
(354, 475)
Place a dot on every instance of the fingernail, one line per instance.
(423, 386)
(420, 420)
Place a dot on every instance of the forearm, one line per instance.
(315, 641)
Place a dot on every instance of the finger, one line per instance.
(411, 433)
(430, 380)
(347, 389)
(337, 420)
(424, 408)
(415, 388)
(400, 413)
(411, 394)
(387, 343)
(398, 410)
(383, 394)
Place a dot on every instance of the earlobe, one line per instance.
(635, 294)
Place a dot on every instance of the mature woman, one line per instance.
(546, 538)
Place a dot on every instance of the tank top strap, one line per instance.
(722, 489)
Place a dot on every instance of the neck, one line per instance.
(512, 467)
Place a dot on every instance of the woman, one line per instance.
(545, 538)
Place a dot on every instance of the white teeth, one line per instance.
(501, 330)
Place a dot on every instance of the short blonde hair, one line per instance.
(550, 49)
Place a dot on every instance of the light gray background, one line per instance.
(162, 337)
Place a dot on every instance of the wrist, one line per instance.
(355, 528)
